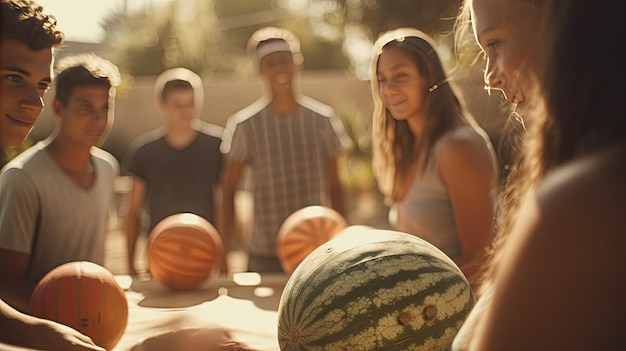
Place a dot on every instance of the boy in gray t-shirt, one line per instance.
(55, 197)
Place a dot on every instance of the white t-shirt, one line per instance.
(44, 214)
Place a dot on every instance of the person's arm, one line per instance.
(468, 170)
(19, 329)
(14, 288)
(335, 188)
(560, 284)
(233, 171)
(132, 226)
(19, 208)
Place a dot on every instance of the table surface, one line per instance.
(246, 304)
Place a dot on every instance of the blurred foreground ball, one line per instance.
(85, 296)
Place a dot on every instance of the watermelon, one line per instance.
(372, 289)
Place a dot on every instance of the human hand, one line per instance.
(52, 336)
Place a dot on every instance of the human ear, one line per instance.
(57, 107)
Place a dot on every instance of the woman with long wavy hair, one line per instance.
(433, 163)
(553, 286)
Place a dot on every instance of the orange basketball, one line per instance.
(303, 231)
(184, 251)
(86, 297)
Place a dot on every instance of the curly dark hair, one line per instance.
(24, 21)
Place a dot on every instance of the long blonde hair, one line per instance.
(395, 148)
(527, 166)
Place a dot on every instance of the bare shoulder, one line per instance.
(587, 193)
(466, 148)
(466, 140)
(581, 206)
(564, 258)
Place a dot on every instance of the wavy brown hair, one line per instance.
(395, 148)
(24, 21)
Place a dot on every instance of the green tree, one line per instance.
(208, 36)
(357, 23)
(434, 17)
(159, 38)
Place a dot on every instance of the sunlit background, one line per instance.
(191, 31)
(146, 37)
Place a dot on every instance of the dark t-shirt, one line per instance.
(177, 180)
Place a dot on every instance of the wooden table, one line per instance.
(246, 304)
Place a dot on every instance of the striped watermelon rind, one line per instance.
(374, 290)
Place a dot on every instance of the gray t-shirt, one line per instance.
(288, 160)
(44, 214)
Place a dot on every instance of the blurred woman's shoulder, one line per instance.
(591, 174)
(588, 192)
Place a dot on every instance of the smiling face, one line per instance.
(278, 69)
(506, 30)
(26, 75)
(401, 85)
(87, 116)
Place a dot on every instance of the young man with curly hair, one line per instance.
(26, 53)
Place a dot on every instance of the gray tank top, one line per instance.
(426, 210)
